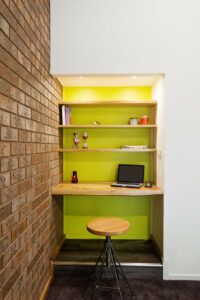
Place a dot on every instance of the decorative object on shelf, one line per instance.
(76, 139)
(74, 177)
(96, 123)
(85, 136)
(144, 120)
(133, 121)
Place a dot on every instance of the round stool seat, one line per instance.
(108, 226)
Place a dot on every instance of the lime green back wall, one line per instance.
(107, 93)
(102, 166)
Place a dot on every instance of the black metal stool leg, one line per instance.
(108, 258)
(100, 273)
(121, 271)
(94, 271)
(115, 272)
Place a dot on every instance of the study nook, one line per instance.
(113, 159)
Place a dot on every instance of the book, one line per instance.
(63, 114)
(67, 115)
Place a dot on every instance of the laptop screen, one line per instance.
(131, 173)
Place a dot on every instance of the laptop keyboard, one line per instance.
(131, 185)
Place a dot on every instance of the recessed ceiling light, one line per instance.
(133, 77)
(80, 77)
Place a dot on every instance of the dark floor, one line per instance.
(146, 283)
(85, 252)
(73, 267)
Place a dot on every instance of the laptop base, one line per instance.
(127, 185)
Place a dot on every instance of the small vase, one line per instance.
(74, 177)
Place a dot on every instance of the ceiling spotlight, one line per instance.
(80, 77)
(133, 77)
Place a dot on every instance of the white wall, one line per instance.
(142, 36)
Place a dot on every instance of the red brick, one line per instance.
(10, 222)
(11, 251)
(5, 242)
(24, 111)
(4, 85)
(8, 104)
(4, 149)
(35, 137)
(4, 118)
(9, 193)
(37, 180)
(18, 95)
(31, 171)
(9, 134)
(18, 286)
(4, 275)
(4, 26)
(23, 85)
(24, 161)
(17, 175)
(18, 122)
(4, 180)
(24, 136)
(31, 148)
(9, 164)
(30, 102)
(18, 229)
(5, 211)
(25, 211)
(30, 125)
(20, 256)
(40, 148)
(17, 149)
(6, 73)
(18, 203)
(25, 186)
(13, 278)
(36, 116)
(39, 199)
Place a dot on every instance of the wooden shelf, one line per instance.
(102, 188)
(109, 103)
(107, 150)
(108, 126)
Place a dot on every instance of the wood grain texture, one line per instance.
(102, 188)
(107, 150)
(107, 126)
(108, 226)
(107, 103)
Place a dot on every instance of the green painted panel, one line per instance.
(106, 115)
(84, 208)
(102, 166)
(107, 93)
(108, 138)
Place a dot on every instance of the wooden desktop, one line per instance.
(102, 188)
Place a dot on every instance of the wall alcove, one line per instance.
(102, 106)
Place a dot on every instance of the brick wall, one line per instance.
(30, 222)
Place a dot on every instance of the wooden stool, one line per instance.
(108, 258)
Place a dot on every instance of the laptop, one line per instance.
(131, 176)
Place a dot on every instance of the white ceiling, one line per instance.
(109, 80)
